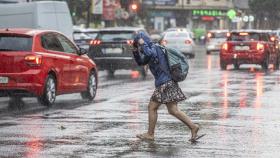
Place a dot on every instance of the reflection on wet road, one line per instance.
(237, 109)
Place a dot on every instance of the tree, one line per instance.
(267, 13)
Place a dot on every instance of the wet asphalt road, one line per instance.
(239, 111)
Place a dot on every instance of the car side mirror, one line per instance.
(82, 51)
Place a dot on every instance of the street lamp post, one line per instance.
(88, 13)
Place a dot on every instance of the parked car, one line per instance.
(92, 33)
(248, 47)
(82, 36)
(50, 15)
(44, 64)
(181, 41)
(112, 50)
(214, 40)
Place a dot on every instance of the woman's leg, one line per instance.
(152, 109)
(173, 110)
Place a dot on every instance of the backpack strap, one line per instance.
(165, 55)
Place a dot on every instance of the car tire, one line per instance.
(90, 93)
(236, 66)
(49, 93)
(223, 65)
(15, 102)
(111, 73)
(208, 52)
(265, 63)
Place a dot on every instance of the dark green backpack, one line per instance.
(177, 63)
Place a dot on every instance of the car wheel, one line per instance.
(16, 103)
(49, 94)
(236, 66)
(208, 52)
(265, 63)
(111, 73)
(90, 93)
(223, 65)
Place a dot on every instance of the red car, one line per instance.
(248, 47)
(44, 64)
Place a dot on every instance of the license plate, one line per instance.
(241, 47)
(112, 50)
(4, 79)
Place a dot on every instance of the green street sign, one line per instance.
(231, 14)
(205, 12)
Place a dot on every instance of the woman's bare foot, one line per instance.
(194, 132)
(145, 136)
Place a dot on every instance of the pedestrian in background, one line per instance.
(166, 92)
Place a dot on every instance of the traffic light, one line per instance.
(133, 8)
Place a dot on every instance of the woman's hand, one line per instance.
(141, 41)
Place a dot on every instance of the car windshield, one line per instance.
(92, 35)
(218, 35)
(15, 43)
(244, 36)
(176, 34)
(115, 36)
(80, 35)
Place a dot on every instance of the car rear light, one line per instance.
(95, 42)
(209, 35)
(33, 60)
(225, 46)
(243, 34)
(260, 47)
(188, 42)
(272, 38)
(228, 34)
(129, 42)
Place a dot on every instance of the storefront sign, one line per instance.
(162, 14)
(160, 2)
(97, 6)
(109, 8)
(202, 12)
(208, 18)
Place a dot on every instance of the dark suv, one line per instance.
(249, 47)
(112, 50)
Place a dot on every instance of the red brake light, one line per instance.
(228, 34)
(272, 38)
(130, 42)
(243, 34)
(95, 42)
(225, 46)
(260, 47)
(188, 42)
(33, 60)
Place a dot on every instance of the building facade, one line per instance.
(205, 14)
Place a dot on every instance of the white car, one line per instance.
(181, 41)
(214, 40)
